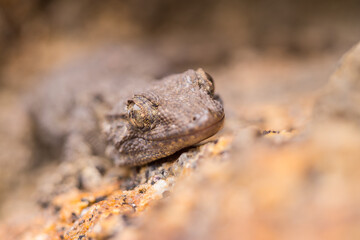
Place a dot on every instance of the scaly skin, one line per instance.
(176, 112)
(107, 104)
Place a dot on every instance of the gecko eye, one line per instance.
(141, 113)
(205, 81)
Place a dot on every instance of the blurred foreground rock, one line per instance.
(246, 182)
(341, 98)
(15, 142)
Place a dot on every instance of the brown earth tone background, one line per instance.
(271, 62)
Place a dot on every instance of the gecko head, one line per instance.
(176, 112)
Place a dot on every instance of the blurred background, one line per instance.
(258, 52)
(40, 33)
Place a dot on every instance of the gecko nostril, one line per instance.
(194, 118)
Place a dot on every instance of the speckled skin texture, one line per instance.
(176, 112)
(102, 105)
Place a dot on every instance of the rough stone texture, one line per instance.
(244, 182)
(285, 166)
(341, 98)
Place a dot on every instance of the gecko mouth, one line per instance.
(173, 144)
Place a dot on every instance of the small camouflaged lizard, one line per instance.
(175, 113)
(104, 105)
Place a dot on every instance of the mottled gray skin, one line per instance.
(108, 105)
(176, 112)
(69, 106)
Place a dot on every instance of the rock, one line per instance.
(341, 97)
(245, 182)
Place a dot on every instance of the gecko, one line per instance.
(105, 105)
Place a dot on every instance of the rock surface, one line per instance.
(285, 166)
(298, 181)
